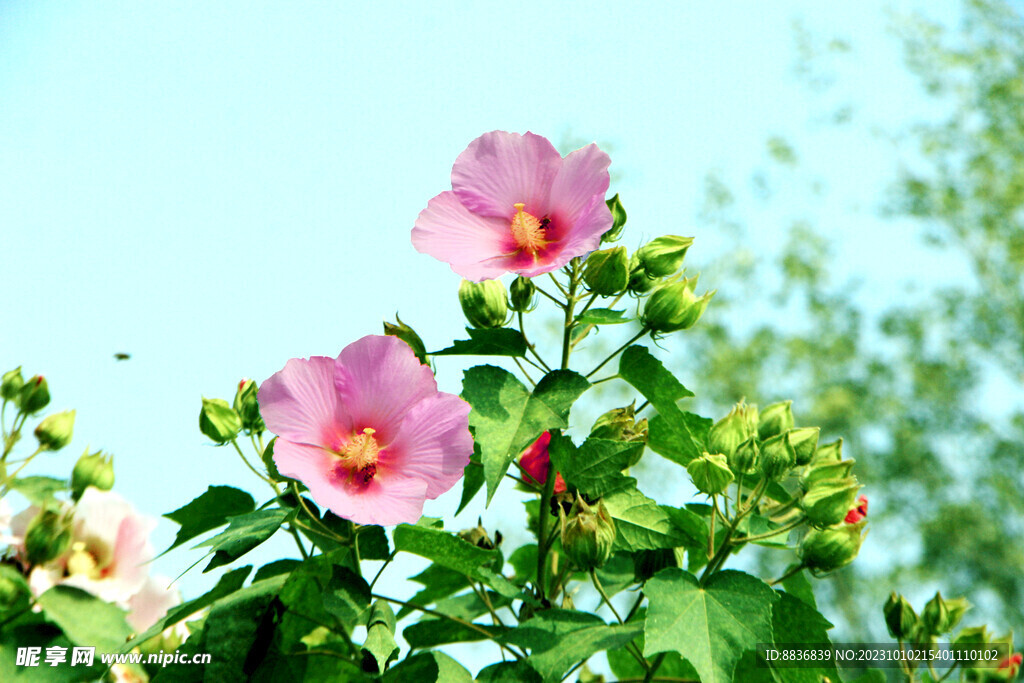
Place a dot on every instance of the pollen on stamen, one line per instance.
(528, 230)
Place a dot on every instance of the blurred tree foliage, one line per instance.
(925, 389)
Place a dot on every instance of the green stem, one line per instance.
(382, 568)
(655, 665)
(776, 532)
(723, 551)
(617, 352)
(604, 595)
(523, 370)
(795, 569)
(544, 292)
(571, 271)
(570, 304)
(530, 347)
(234, 442)
(591, 326)
(590, 302)
(542, 530)
(481, 593)
(711, 535)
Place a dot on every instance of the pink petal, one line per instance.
(584, 175)
(499, 170)
(379, 379)
(151, 603)
(585, 234)
(385, 500)
(299, 403)
(472, 244)
(433, 443)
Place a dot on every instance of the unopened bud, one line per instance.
(523, 295)
(478, 536)
(710, 473)
(607, 271)
(48, 537)
(747, 457)
(14, 590)
(827, 470)
(92, 469)
(535, 462)
(775, 419)
(248, 408)
(804, 440)
(34, 395)
(618, 220)
(941, 616)
(219, 421)
(824, 550)
(830, 500)
(663, 256)
(828, 454)
(409, 336)
(728, 433)
(674, 306)
(587, 535)
(10, 384)
(620, 424)
(858, 511)
(900, 617)
(777, 457)
(54, 432)
(485, 304)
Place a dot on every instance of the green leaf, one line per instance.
(506, 417)
(209, 511)
(648, 375)
(439, 582)
(595, 468)
(39, 489)
(244, 533)
(692, 526)
(793, 621)
(32, 629)
(434, 632)
(640, 523)
(678, 435)
(373, 543)
(429, 667)
(472, 478)
(379, 648)
(559, 638)
(487, 342)
(321, 592)
(276, 568)
(799, 586)
(710, 626)
(233, 627)
(268, 461)
(603, 316)
(624, 665)
(85, 619)
(518, 671)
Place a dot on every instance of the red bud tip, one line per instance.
(859, 512)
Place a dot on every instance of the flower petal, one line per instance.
(499, 169)
(474, 246)
(379, 379)
(584, 175)
(433, 443)
(585, 234)
(385, 500)
(299, 403)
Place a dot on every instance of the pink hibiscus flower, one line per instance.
(536, 463)
(516, 206)
(368, 433)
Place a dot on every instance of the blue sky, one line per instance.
(216, 188)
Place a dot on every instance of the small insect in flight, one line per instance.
(122, 356)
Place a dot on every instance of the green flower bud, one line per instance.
(409, 336)
(828, 454)
(775, 419)
(587, 536)
(34, 395)
(777, 457)
(804, 440)
(247, 407)
(824, 550)
(663, 256)
(647, 563)
(48, 537)
(710, 473)
(971, 638)
(92, 469)
(747, 457)
(817, 473)
(640, 283)
(618, 220)
(54, 432)
(829, 501)
(941, 616)
(523, 295)
(10, 384)
(484, 304)
(478, 536)
(674, 306)
(728, 433)
(219, 421)
(900, 617)
(15, 593)
(607, 271)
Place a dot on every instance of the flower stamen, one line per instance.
(528, 230)
(361, 453)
